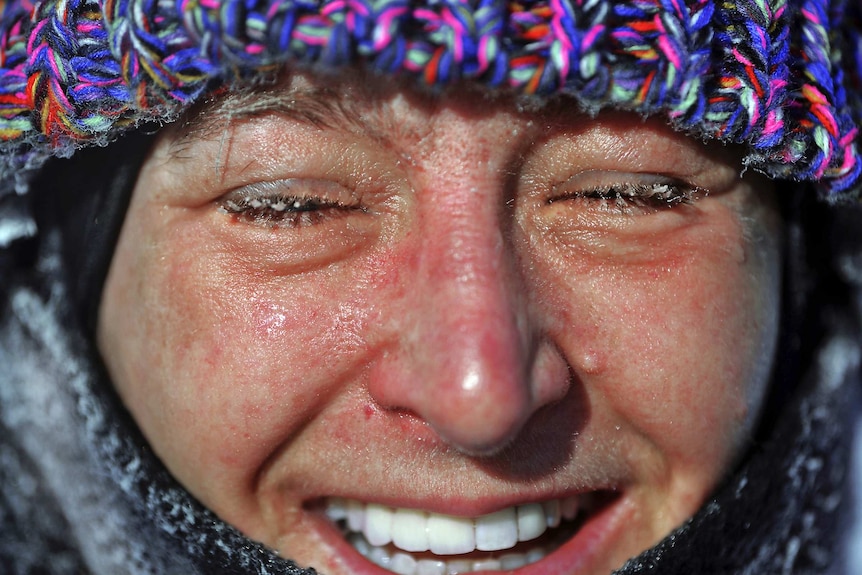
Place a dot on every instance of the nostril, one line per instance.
(487, 440)
(551, 375)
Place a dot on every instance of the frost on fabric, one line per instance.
(15, 229)
(16, 223)
(42, 416)
(853, 546)
(801, 541)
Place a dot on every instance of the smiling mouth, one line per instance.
(417, 542)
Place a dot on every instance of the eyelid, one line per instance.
(273, 146)
(598, 178)
(327, 191)
(625, 193)
(629, 184)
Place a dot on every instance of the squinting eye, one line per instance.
(288, 203)
(633, 199)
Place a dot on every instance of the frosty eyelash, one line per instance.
(282, 210)
(272, 204)
(630, 199)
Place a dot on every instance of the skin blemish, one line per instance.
(592, 362)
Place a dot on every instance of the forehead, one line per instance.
(377, 107)
(398, 114)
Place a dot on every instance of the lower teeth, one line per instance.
(406, 564)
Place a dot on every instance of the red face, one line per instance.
(379, 331)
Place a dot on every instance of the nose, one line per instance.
(469, 359)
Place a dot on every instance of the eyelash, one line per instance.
(282, 210)
(633, 199)
(279, 210)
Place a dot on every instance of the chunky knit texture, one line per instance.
(783, 77)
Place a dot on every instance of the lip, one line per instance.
(583, 553)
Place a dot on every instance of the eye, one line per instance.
(292, 203)
(633, 198)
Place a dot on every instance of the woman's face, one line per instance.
(510, 336)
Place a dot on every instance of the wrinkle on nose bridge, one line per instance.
(467, 353)
(464, 356)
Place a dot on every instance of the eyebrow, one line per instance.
(316, 106)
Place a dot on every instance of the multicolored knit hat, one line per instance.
(783, 77)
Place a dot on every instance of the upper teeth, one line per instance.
(416, 531)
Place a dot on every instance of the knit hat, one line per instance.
(781, 77)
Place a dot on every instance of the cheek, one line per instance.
(673, 346)
(224, 363)
(685, 351)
